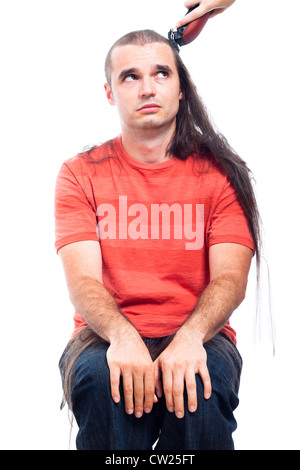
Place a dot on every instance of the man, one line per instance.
(156, 230)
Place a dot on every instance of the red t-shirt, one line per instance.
(155, 224)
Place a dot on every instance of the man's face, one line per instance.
(144, 86)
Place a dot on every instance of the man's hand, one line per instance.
(130, 359)
(178, 365)
(185, 356)
(218, 6)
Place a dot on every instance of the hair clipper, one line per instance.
(186, 34)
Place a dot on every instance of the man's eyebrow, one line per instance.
(134, 70)
(163, 68)
(126, 72)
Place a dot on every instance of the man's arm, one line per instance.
(127, 354)
(185, 356)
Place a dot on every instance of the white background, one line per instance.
(246, 67)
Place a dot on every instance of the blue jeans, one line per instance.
(105, 425)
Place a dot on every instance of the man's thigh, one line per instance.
(212, 425)
(102, 423)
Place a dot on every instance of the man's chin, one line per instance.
(152, 122)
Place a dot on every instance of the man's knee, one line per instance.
(90, 376)
(215, 416)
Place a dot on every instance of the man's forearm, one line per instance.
(127, 355)
(186, 356)
(99, 309)
(215, 306)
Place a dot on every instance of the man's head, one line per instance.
(135, 38)
(143, 81)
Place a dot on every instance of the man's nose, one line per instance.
(147, 87)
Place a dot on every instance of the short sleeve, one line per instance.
(228, 222)
(75, 217)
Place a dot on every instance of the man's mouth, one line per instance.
(150, 107)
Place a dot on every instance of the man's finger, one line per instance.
(149, 390)
(128, 392)
(204, 374)
(115, 383)
(178, 389)
(168, 388)
(158, 384)
(191, 388)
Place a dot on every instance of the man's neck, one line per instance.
(149, 147)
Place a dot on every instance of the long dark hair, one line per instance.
(195, 134)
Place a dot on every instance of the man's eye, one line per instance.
(130, 78)
(162, 74)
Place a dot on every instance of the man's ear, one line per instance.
(109, 95)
